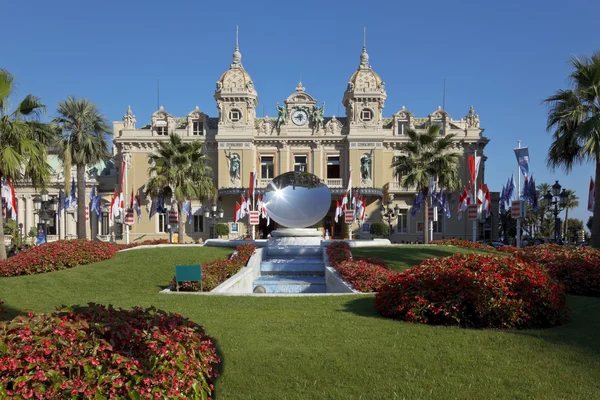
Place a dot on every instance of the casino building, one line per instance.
(299, 138)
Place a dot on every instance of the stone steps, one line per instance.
(290, 284)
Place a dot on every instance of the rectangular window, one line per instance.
(161, 130)
(105, 226)
(267, 169)
(333, 167)
(198, 224)
(438, 226)
(402, 226)
(420, 227)
(163, 223)
(197, 128)
(441, 125)
(300, 163)
(402, 127)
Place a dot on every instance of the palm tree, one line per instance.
(83, 131)
(23, 142)
(427, 155)
(182, 168)
(543, 209)
(574, 116)
(572, 202)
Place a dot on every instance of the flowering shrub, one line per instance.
(481, 291)
(365, 275)
(578, 268)
(508, 249)
(103, 352)
(57, 256)
(462, 243)
(218, 271)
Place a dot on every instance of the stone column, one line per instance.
(28, 215)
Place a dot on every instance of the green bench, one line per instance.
(188, 273)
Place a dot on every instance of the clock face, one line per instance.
(299, 117)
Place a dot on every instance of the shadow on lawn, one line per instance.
(10, 313)
(581, 331)
(220, 369)
(362, 305)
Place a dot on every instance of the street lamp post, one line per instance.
(214, 215)
(559, 200)
(389, 213)
(46, 207)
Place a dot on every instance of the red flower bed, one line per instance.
(218, 271)
(474, 291)
(103, 352)
(462, 243)
(365, 275)
(56, 256)
(578, 268)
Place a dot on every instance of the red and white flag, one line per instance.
(338, 211)
(474, 167)
(236, 214)
(463, 202)
(591, 195)
(122, 185)
(363, 211)
(243, 207)
(114, 205)
(487, 202)
(10, 197)
(136, 207)
(344, 203)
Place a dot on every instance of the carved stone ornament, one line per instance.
(333, 127)
(129, 120)
(472, 119)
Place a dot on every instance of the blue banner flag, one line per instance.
(523, 159)
(417, 205)
(61, 202)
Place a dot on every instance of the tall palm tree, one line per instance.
(24, 142)
(572, 202)
(427, 155)
(83, 131)
(574, 116)
(543, 209)
(183, 168)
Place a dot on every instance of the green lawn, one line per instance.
(402, 257)
(336, 347)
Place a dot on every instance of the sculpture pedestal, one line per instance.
(295, 237)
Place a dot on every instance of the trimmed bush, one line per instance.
(578, 268)
(102, 352)
(366, 275)
(379, 229)
(478, 291)
(218, 271)
(221, 230)
(462, 243)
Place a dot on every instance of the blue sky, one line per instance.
(503, 58)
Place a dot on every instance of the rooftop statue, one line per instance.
(281, 116)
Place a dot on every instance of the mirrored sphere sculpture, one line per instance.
(297, 199)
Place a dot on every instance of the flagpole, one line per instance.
(475, 199)
(253, 200)
(519, 199)
(348, 197)
(126, 159)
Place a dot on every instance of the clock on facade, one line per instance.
(300, 117)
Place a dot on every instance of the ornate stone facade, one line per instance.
(302, 138)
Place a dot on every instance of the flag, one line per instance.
(338, 211)
(363, 211)
(71, 198)
(131, 198)
(522, 155)
(344, 202)
(122, 185)
(486, 202)
(61, 203)
(417, 204)
(431, 191)
(187, 211)
(474, 162)
(93, 193)
(591, 195)
(446, 206)
(349, 181)
(153, 208)
(137, 208)
(463, 202)
(510, 188)
(114, 205)
(96, 206)
(253, 182)
(502, 202)
(354, 199)
(359, 204)
(8, 193)
(259, 203)
(237, 211)
(243, 207)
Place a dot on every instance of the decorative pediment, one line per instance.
(196, 114)
(404, 114)
(300, 97)
(334, 126)
(439, 114)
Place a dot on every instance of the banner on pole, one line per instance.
(472, 211)
(517, 209)
(349, 218)
(254, 217)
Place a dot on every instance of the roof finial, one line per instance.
(365, 37)
(364, 57)
(237, 56)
